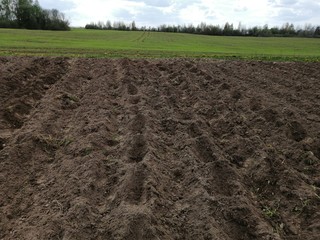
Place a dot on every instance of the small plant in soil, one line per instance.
(86, 151)
(50, 144)
(309, 158)
(113, 141)
(65, 142)
(270, 212)
(70, 97)
(315, 189)
(302, 206)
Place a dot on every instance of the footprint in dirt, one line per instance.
(134, 99)
(140, 227)
(162, 68)
(194, 130)
(255, 104)
(138, 149)
(169, 126)
(193, 69)
(204, 149)
(132, 89)
(224, 86)
(134, 184)
(270, 115)
(236, 94)
(138, 124)
(112, 142)
(221, 179)
(297, 131)
(14, 115)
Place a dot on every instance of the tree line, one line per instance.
(28, 14)
(286, 30)
(118, 25)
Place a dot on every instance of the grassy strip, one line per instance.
(116, 44)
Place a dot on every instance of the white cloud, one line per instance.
(156, 12)
(155, 3)
(298, 12)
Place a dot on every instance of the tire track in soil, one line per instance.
(137, 176)
(160, 149)
(18, 97)
(126, 199)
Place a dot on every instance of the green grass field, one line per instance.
(97, 43)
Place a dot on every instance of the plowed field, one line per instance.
(159, 149)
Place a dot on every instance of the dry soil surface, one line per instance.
(159, 149)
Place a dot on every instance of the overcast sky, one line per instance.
(156, 12)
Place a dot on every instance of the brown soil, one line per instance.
(159, 149)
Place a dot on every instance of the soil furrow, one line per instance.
(159, 149)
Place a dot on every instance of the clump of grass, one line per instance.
(86, 151)
(70, 97)
(270, 212)
(50, 144)
(69, 101)
(309, 158)
(299, 208)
